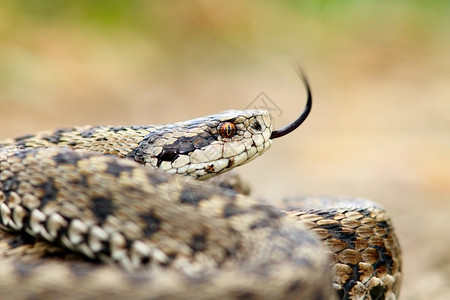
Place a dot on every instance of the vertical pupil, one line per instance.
(227, 130)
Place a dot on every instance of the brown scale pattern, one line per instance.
(361, 244)
(209, 241)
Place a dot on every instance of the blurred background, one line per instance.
(379, 71)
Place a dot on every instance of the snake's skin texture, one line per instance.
(104, 212)
(193, 148)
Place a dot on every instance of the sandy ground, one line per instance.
(379, 128)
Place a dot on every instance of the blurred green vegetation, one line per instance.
(50, 34)
(131, 13)
(160, 16)
(192, 30)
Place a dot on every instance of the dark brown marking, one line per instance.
(198, 243)
(116, 129)
(174, 145)
(231, 210)
(20, 240)
(295, 286)
(115, 168)
(377, 292)
(185, 148)
(57, 135)
(152, 224)
(23, 137)
(210, 169)
(49, 190)
(167, 155)
(246, 296)
(200, 142)
(67, 156)
(230, 162)
(89, 132)
(102, 207)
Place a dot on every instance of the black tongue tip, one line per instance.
(294, 125)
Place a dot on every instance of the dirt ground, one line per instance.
(379, 127)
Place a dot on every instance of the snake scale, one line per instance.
(105, 212)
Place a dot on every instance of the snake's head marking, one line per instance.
(207, 146)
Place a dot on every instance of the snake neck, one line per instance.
(115, 140)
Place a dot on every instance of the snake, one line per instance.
(137, 212)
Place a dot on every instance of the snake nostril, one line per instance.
(256, 125)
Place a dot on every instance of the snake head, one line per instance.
(207, 146)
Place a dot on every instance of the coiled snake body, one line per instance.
(81, 221)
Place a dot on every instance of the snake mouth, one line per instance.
(294, 125)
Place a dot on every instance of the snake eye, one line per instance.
(227, 130)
